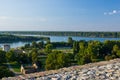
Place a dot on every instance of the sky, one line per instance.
(59, 15)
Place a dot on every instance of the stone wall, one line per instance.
(104, 70)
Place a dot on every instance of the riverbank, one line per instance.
(104, 70)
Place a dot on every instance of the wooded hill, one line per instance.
(13, 38)
(68, 33)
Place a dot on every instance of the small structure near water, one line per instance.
(6, 48)
(29, 69)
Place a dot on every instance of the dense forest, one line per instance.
(68, 33)
(13, 38)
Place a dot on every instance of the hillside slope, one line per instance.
(104, 70)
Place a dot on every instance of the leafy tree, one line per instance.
(62, 60)
(48, 48)
(108, 57)
(2, 56)
(93, 49)
(5, 72)
(41, 44)
(115, 50)
(23, 57)
(108, 45)
(27, 45)
(34, 44)
(34, 57)
(70, 40)
(51, 61)
(11, 56)
(75, 47)
(56, 60)
(82, 47)
(86, 59)
(48, 41)
(118, 53)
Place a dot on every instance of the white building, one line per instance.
(6, 48)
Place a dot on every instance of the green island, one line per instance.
(4, 38)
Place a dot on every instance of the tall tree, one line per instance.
(34, 57)
(2, 56)
(11, 56)
(48, 48)
(70, 40)
(75, 47)
(57, 60)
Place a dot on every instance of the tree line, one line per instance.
(84, 52)
(68, 33)
(13, 38)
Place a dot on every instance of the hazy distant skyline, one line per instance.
(59, 15)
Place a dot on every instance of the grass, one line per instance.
(16, 66)
(64, 50)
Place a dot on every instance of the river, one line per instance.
(57, 39)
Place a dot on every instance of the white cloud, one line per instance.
(4, 17)
(113, 12)
(40, 19)
(22, 21)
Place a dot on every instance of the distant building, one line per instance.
(6, 48)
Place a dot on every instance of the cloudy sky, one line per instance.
(59, 15)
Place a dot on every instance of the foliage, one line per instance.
(115, 50)
(15, 65)
(34, 57)
(70, 40)
(61, 44)
(11, 56)
(48, 48)
(56, 60)
(16, 56)
(13, 38)
(70, 33)
(75, 47)
(109, 57)
(5, 72)
(93, 51)
(2, 56)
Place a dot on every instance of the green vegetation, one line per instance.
(48, 48)
(2, 56)
(55, 55)
(56, 60)
(76, 52)
(12, 38)
(68, 33)
(64, 50)
(15, 65)
(5, 72)
(20, 57)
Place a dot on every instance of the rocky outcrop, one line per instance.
(105, 70)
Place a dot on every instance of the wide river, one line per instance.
(57, 39)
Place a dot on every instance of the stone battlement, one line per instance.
(103, 70)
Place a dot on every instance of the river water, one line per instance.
(57, 39)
